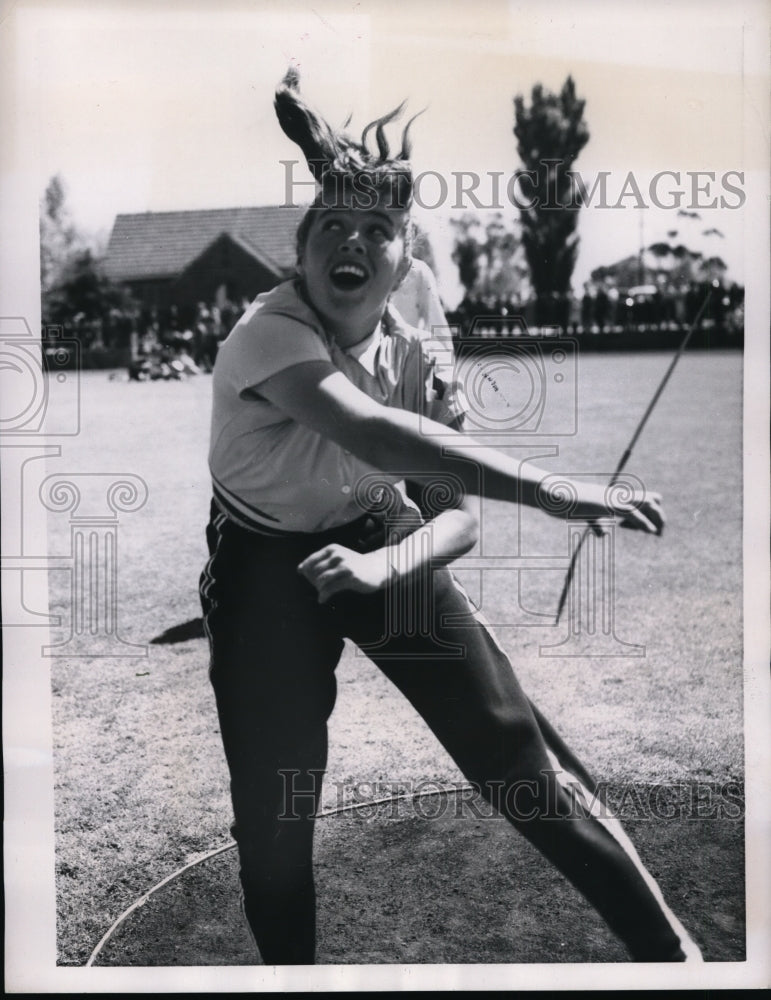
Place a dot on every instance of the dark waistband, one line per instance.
(365, 528)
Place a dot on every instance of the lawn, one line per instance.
(140, 780)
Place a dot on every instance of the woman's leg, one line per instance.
(272, 669)
(461, 682)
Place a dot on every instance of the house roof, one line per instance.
(237, 241)
(162, 244)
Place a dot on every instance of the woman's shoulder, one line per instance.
(277, 331)
(413, 339)
(285, 300)
(396, 326)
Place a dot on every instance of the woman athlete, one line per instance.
(325, 406)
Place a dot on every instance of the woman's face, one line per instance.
(351, 261)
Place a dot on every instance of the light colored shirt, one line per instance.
(417, 299)
(271, 473)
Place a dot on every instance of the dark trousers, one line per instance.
(274, 650)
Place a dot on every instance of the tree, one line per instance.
(488, 256)
(72, 281)
(504, 271)
(550, 135)
(83, 291)
(58, 236)
(467, 251)
(680, 265)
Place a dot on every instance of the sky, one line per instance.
(163, 106)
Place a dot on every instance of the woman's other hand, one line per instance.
(335, 568)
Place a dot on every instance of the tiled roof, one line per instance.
(162, 244)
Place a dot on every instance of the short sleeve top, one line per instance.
(417, 299)
(271, 473)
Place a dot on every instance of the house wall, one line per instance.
(223, 264)
(151, 292)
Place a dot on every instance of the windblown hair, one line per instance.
(347, 171)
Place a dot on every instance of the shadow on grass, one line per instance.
(192, 629)
(444, 887)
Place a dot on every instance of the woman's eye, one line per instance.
(331, 225)
(379, 234)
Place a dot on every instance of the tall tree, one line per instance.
(72, 280)
(550, 134)
(59, 239)
(504, 273)
(467, 251)
(488, 255)
(83, 289)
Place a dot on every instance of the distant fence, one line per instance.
(636, 337)
(67, 356)
(73, 353)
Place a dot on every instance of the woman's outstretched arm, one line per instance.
(318, 395)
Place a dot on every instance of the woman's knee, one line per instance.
(508, 750)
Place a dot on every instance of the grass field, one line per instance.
(141, 784)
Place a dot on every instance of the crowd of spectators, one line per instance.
(179, 341)
(155, 343)
(606, 309)
(175, 343)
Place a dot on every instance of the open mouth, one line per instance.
(347, 276)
